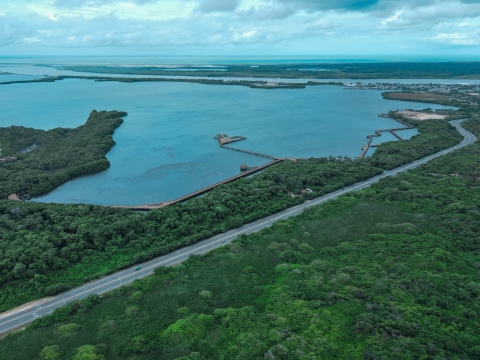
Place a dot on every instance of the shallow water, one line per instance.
(165, 148)
(386, 136)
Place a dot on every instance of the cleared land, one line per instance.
(422, 116)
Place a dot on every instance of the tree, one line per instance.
(51, 352)
(87, 352)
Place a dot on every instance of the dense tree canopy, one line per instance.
(47, 159)
(390, 272)
(48, 248)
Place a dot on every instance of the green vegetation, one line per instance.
(377, 70)
(47, 159)
(468, 104)
(49, 248)
(435, 135)
(390, 272)
(252, 84)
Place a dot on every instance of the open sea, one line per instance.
(165, 148)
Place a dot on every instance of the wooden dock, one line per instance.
(378, 133)
(163, 204)
(246, 171)
(250, 152)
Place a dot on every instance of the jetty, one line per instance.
(244, 171)
(163, 204)
(250, 152)
(224, 139)
(378, 133)
(245, 167)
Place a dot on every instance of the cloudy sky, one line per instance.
(241, 27)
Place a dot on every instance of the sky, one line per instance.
(239, 27)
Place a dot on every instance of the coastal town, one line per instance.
(458, 88)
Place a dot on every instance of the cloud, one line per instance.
(392, 18)
(457, 38)
(268, 12)
(320, 5)
(304, 26)
(211, 6)
(75, 4)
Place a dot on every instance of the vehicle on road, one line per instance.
(138, 268)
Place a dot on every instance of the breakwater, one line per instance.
(246, 171)
(160, 205)
(378, 133)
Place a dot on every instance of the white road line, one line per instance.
(126, 276)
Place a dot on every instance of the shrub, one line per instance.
(136, 296)
(90, 301)
(293, 257)
(131, 311)
(183, 311)
(87, 352)
(50, 352)
(206, 294)
(68, 330)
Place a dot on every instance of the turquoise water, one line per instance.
(407, 134)
(165, 148)
(233, 59)
(386, 136)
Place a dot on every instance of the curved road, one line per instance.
(18, 319)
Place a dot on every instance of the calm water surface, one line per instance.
(165, 148)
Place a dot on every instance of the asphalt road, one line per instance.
(108, 283)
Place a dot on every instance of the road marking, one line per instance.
(208, 244)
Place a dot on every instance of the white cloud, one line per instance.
(392, 18)
(249, 33)
(457, 38)
(303, 26)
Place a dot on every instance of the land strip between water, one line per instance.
(344, 70)
(254, 84)
(19, 319)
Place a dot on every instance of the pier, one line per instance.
(225, 139)
(244, 167)
(378, 133)
(251, 152)
(163, 204)
(245, 171)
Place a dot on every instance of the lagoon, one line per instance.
(165, 148)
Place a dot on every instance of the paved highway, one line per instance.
(20, 318)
